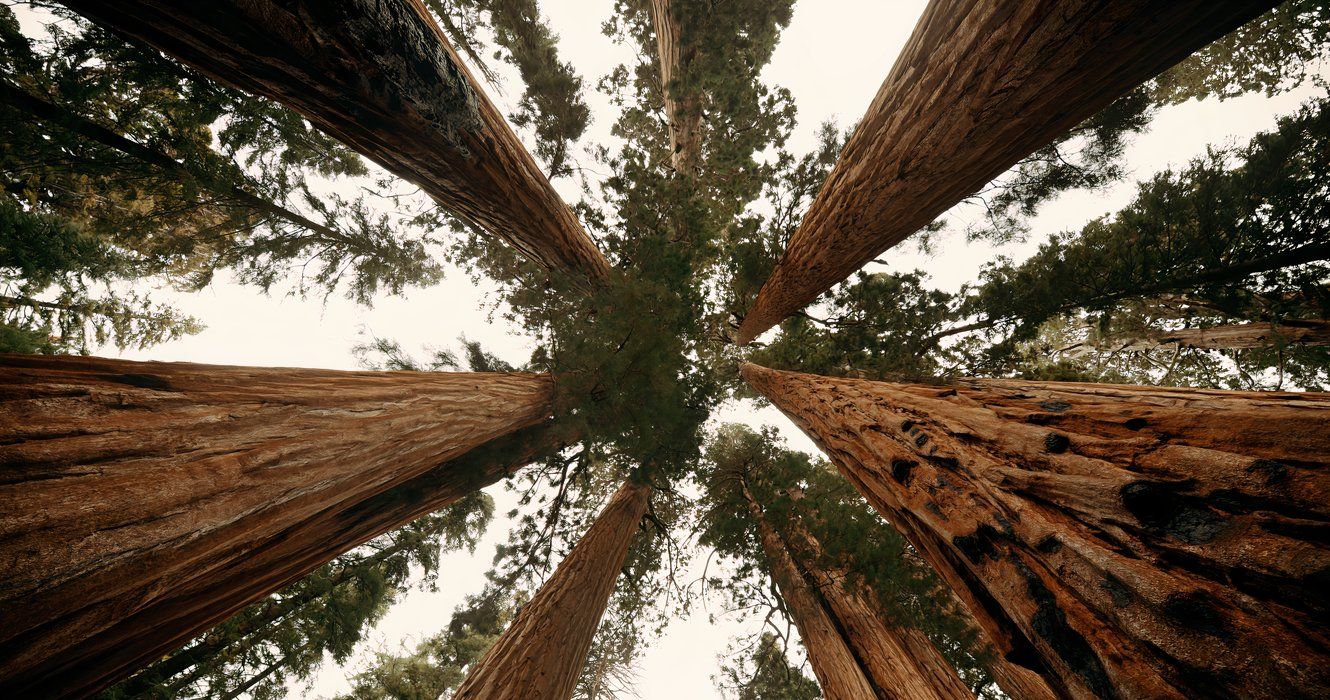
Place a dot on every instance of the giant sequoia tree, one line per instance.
(1137, 550)
(1120, 540)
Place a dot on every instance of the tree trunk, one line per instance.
(542, 652)
(1125, 541)
(1242, 336)
(142, 503)
(683, 108)
(900, 662)
(380, 76)
(838, 670)
(980, 85)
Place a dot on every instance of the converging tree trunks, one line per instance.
(143, 502)
(381, 77)
(980, 85)
(1124, 541)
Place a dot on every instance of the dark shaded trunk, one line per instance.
(380, 76)
(141, 503)
(542, 652)
(980, 85)
(1125, 541)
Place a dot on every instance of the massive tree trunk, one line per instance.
(683, 107)
(1242, 336)
(840, 673)
(542, 652)
(1125, 541)
(900, 662)
(380, 76)
(980, 85)
(142, 503)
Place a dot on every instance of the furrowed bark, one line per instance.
(1127, 541)
(380, 76)
(683, 108)
(1242, 336)
(542, 652)
(899, 662)
(141, 503)
(838, 671)
(980, 85)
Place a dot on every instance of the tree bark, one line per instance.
(1241, 336)
(838, 671)
(141, 503)
(683, 108)
(900, 662)
(1125, 541)
(542, 652)
(380, 76)
(980, 85)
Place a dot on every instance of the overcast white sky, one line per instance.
(833, 58)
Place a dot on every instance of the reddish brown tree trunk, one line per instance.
(838, 671)
(542, 652)
(980, 85)
(1125, 541)
(900, 662)
(1241, 336)
(683, 108)
(143, 502)
(380, 76)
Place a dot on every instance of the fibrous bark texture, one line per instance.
(900, 663)
(143, 502)
(1242, 336)
(980, 85)
(683, 108)
(1124, 541)
(380, 76)
(542, 652)
(838, 671)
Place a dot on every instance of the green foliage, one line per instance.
(767, 675)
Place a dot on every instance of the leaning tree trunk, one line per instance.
(1241, 336)
(900, 662)
(683, 108)
(1126, 541)
(980, 85)
(144, 502)
(542, 652)
(380, 76)
(838, 670)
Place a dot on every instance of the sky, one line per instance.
(833, 58)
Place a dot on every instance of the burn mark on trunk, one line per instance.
(1120, 594)
(1162, 508)
(1054, 406)
(900, 470)
(1197, 611)
(1057, 443)
(984, 543)
(142, 381)
(1273, 472)
(1050, 623)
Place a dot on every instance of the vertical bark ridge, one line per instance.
(839, 672)
(380, 76)
(542, 652)
(980, 85)
(142, 502)
(1130, 541)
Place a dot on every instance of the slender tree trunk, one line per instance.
(1242, 336)
(840, 673)
(980, 85)
(259, 677)
(1125, 541)
(542, 652)
(141, 503)
(380, 76)
(683, 107)
(900, 662)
